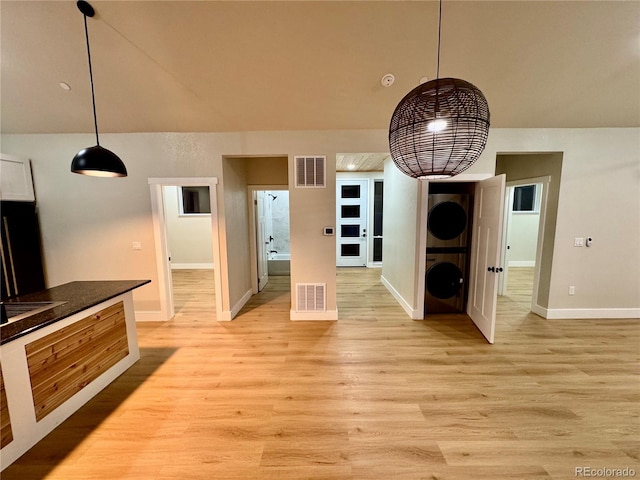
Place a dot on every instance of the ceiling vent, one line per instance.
(310, 172)
(311, 297)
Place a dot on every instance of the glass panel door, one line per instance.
(351, 213)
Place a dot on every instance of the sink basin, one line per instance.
(17, 310)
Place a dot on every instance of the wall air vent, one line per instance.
(310, 172)
(311, 297)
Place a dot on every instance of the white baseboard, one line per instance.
(192, 266)
(413, 313)
(228, 315)
(150, 316)
(586, 313)
(538, 310)
(522, 263)
(326, 315)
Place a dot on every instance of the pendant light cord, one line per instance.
(439, 29)
(93, 97)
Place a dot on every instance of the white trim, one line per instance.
(421, 247)
(588, 313)
(150, 316)
(414, 314)
(162, 251)
(253, 254)
(192, 266)
(183, 181)
(228, 315)
(522, 263)
(538, 310)
(545, 181)
(462, 177)
(221, 284)
(330, 315)
(367, 223)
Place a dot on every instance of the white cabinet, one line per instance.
(15, 179)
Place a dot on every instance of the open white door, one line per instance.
(262, 242)
(486, 253)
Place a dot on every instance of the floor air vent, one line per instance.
(311, 297)
(310, 172)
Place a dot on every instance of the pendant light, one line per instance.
(96, 161)
(439, 128)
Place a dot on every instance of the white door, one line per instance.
(351, 220)
(262, 241)
(506, 249)
(485, 255)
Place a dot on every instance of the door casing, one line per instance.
(162, 246)
(253, 228)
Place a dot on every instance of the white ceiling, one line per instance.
(204, 66)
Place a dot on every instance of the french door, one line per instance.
(351, 216)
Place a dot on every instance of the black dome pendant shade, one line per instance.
(95, 161)
(440, 128)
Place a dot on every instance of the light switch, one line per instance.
(578, 242)
(137, 245)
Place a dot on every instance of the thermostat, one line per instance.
(328, 230)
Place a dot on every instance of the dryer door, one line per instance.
(444, 280)
(447, 221)
(444, 283)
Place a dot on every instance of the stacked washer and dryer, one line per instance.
(447, 252)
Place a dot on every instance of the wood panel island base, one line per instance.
(56, 360)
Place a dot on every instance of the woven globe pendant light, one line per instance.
(440, 128)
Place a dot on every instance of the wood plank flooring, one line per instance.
(374, 395)
(520, 285)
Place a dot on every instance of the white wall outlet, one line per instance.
(137, 245)
(578, 242)
(572, 290)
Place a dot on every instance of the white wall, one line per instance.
(400, 231)
(189, 236)
(523, 238)
(88, 224)
(599, 196)
(236, 233)
(280, 220)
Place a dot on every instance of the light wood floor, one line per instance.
(372, 396)
(520, 286)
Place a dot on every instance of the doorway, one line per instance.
(162, 244)
(269, 234)
(351, 216)
(525, 208)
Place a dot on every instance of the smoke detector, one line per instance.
(388, 80)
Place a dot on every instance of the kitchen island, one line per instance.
(81, 337)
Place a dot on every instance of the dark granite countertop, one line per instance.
(78, 296)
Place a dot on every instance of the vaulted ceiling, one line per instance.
(204, 66)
